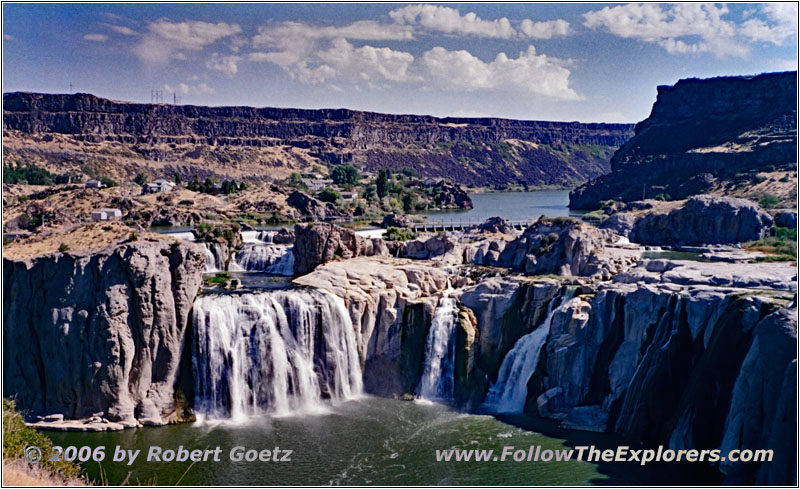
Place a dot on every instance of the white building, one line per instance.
(316, 184)
(106, 214)
(349, 196)
(159, 185)
(94, 184)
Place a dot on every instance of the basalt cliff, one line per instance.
(69, 132)
(730, 135)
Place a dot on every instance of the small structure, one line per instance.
(157, 186)
(316, 184)
(95, 184)
(106, 214)
(349, 196)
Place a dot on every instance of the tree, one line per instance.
(382, 183)
(409, 202)
(329, 194)
(177, 178)
(344, 175)
(140, 178)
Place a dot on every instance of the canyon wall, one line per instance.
(703, 135)
(222, 139)
(101, 332)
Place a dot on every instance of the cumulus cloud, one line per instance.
(125, 31)
(450, 21)
(544, 30)
(96, 37)
(165, 39)
(367, 64)
(529, 74)
(697, 28)
(778, 26)
(225, 64)
(187, 89)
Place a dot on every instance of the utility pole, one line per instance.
(175, 99)
(70, 87)
(156, 97)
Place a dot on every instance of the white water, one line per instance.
(508, 394)
(275, 259)
(438, 375)
(215, 262)
(184, 235)
(280, 353)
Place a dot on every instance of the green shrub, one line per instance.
(329, 194)
(63, 247)
(397, 234)
(140, 178)
(17, 436)
(344, 175)
(23, 198)
(768, 201)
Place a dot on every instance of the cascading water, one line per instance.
(438, 374)
(277, 352)
(274, 259)
(508, 394)
(215, 261)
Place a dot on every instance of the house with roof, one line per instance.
(106, 214)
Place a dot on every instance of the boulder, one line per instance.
(703, 219)
(786, 219)
(395, 220)
(621, 223)
(317, 243)
(451, 196)
(495, 225)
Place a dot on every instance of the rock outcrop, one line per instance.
(786, 219)
(310, 208)
(99, 332)
(560, 246)
(450, 196)
(702, 134)
(703, 219)
(440, 248)
(206, 141)
(317, 243)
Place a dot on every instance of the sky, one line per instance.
(564, 62)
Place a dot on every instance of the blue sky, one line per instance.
(585, 62)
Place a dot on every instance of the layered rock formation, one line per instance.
(700, 135)
(245, 142)
(99, 332)
(316, 244)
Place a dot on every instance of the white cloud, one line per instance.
(186, 89)
(780, 64)
(779, 25)
(544, 30)
(121, 29)
(697, 28)
(226, 64)
(450, 21)
(96, 37)
(367, 63)
(530, 74)
(165, 38)
(8, 37)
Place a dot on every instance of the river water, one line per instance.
(514, 206)
(363, 441)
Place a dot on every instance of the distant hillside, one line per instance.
(727, 135)
(94, 135)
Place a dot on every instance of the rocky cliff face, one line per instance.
(181, 137)
(703, 220)
(702, 135)
(316, 244)
(702, 367)
(99, 332)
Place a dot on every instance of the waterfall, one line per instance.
(278, 352)
(266, 236)
(438, 374)
(509, 392)
(275, 259)
(184, 235)
(215, 261)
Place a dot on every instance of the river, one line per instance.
(514, 206)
